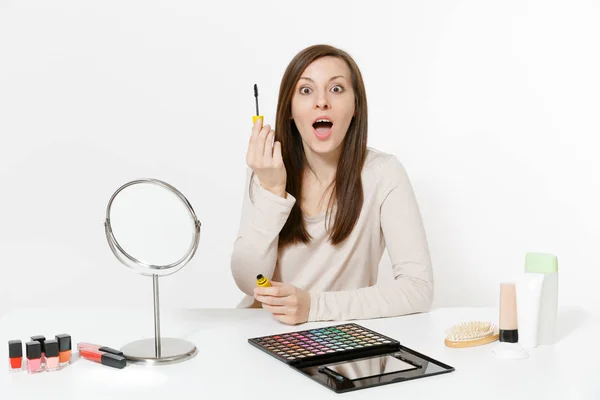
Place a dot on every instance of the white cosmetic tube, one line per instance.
(529, 295)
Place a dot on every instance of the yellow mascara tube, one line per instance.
(262, 281)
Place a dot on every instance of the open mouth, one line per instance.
(322, 126)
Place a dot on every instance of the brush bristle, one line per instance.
(470, 330)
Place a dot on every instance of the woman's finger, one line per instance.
(275, 309)
(286, 319)
(259, 143)
(283, 289)
(255, 131)
(271, 300)
(268, 154)
(277, 158)
(267, 291)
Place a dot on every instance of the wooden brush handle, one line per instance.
(472, 343)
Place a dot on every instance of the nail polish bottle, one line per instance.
(51, 355)
(34, 357)
(15, 355)
(42, 340)
(64, 349)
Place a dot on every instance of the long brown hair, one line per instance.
(347, 194)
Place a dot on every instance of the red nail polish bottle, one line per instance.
(15, 355)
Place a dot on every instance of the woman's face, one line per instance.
(323, 104)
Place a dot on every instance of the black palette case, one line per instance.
(349, 357)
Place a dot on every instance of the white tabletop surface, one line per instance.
(228, 365)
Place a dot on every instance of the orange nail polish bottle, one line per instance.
(64, 349)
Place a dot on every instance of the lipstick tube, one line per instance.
(97, 347)
(108, 359)
(34, 357)
(15, 355)
(64, 349)
(51, 355)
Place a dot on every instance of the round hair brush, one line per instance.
(471, 333)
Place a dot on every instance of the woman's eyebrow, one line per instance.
(330, 79)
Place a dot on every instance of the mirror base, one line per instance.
(143, 352)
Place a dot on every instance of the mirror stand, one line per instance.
(157, 350)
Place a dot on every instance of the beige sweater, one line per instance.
(342, 281)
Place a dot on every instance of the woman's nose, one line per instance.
(321, 102)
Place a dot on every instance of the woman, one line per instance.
(320, 207)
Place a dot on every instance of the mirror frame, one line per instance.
(140, 266)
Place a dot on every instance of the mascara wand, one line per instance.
(257, 116)
(256, 97)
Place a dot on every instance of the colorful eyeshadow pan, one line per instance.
(322, 342)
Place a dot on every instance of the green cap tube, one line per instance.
(541, 263)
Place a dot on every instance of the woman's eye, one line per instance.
(304, 90)
(337, 89)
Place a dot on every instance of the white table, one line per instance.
(228, 365)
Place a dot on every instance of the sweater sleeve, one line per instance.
(255, 247)
(411, 291)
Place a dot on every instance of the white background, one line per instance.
(491, 106)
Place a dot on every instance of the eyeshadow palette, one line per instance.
(348, 357)
(312, 344)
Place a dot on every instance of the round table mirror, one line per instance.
(152, 228)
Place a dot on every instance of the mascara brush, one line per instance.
(257, 116)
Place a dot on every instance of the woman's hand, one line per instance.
(286, 302)
(264, 157)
